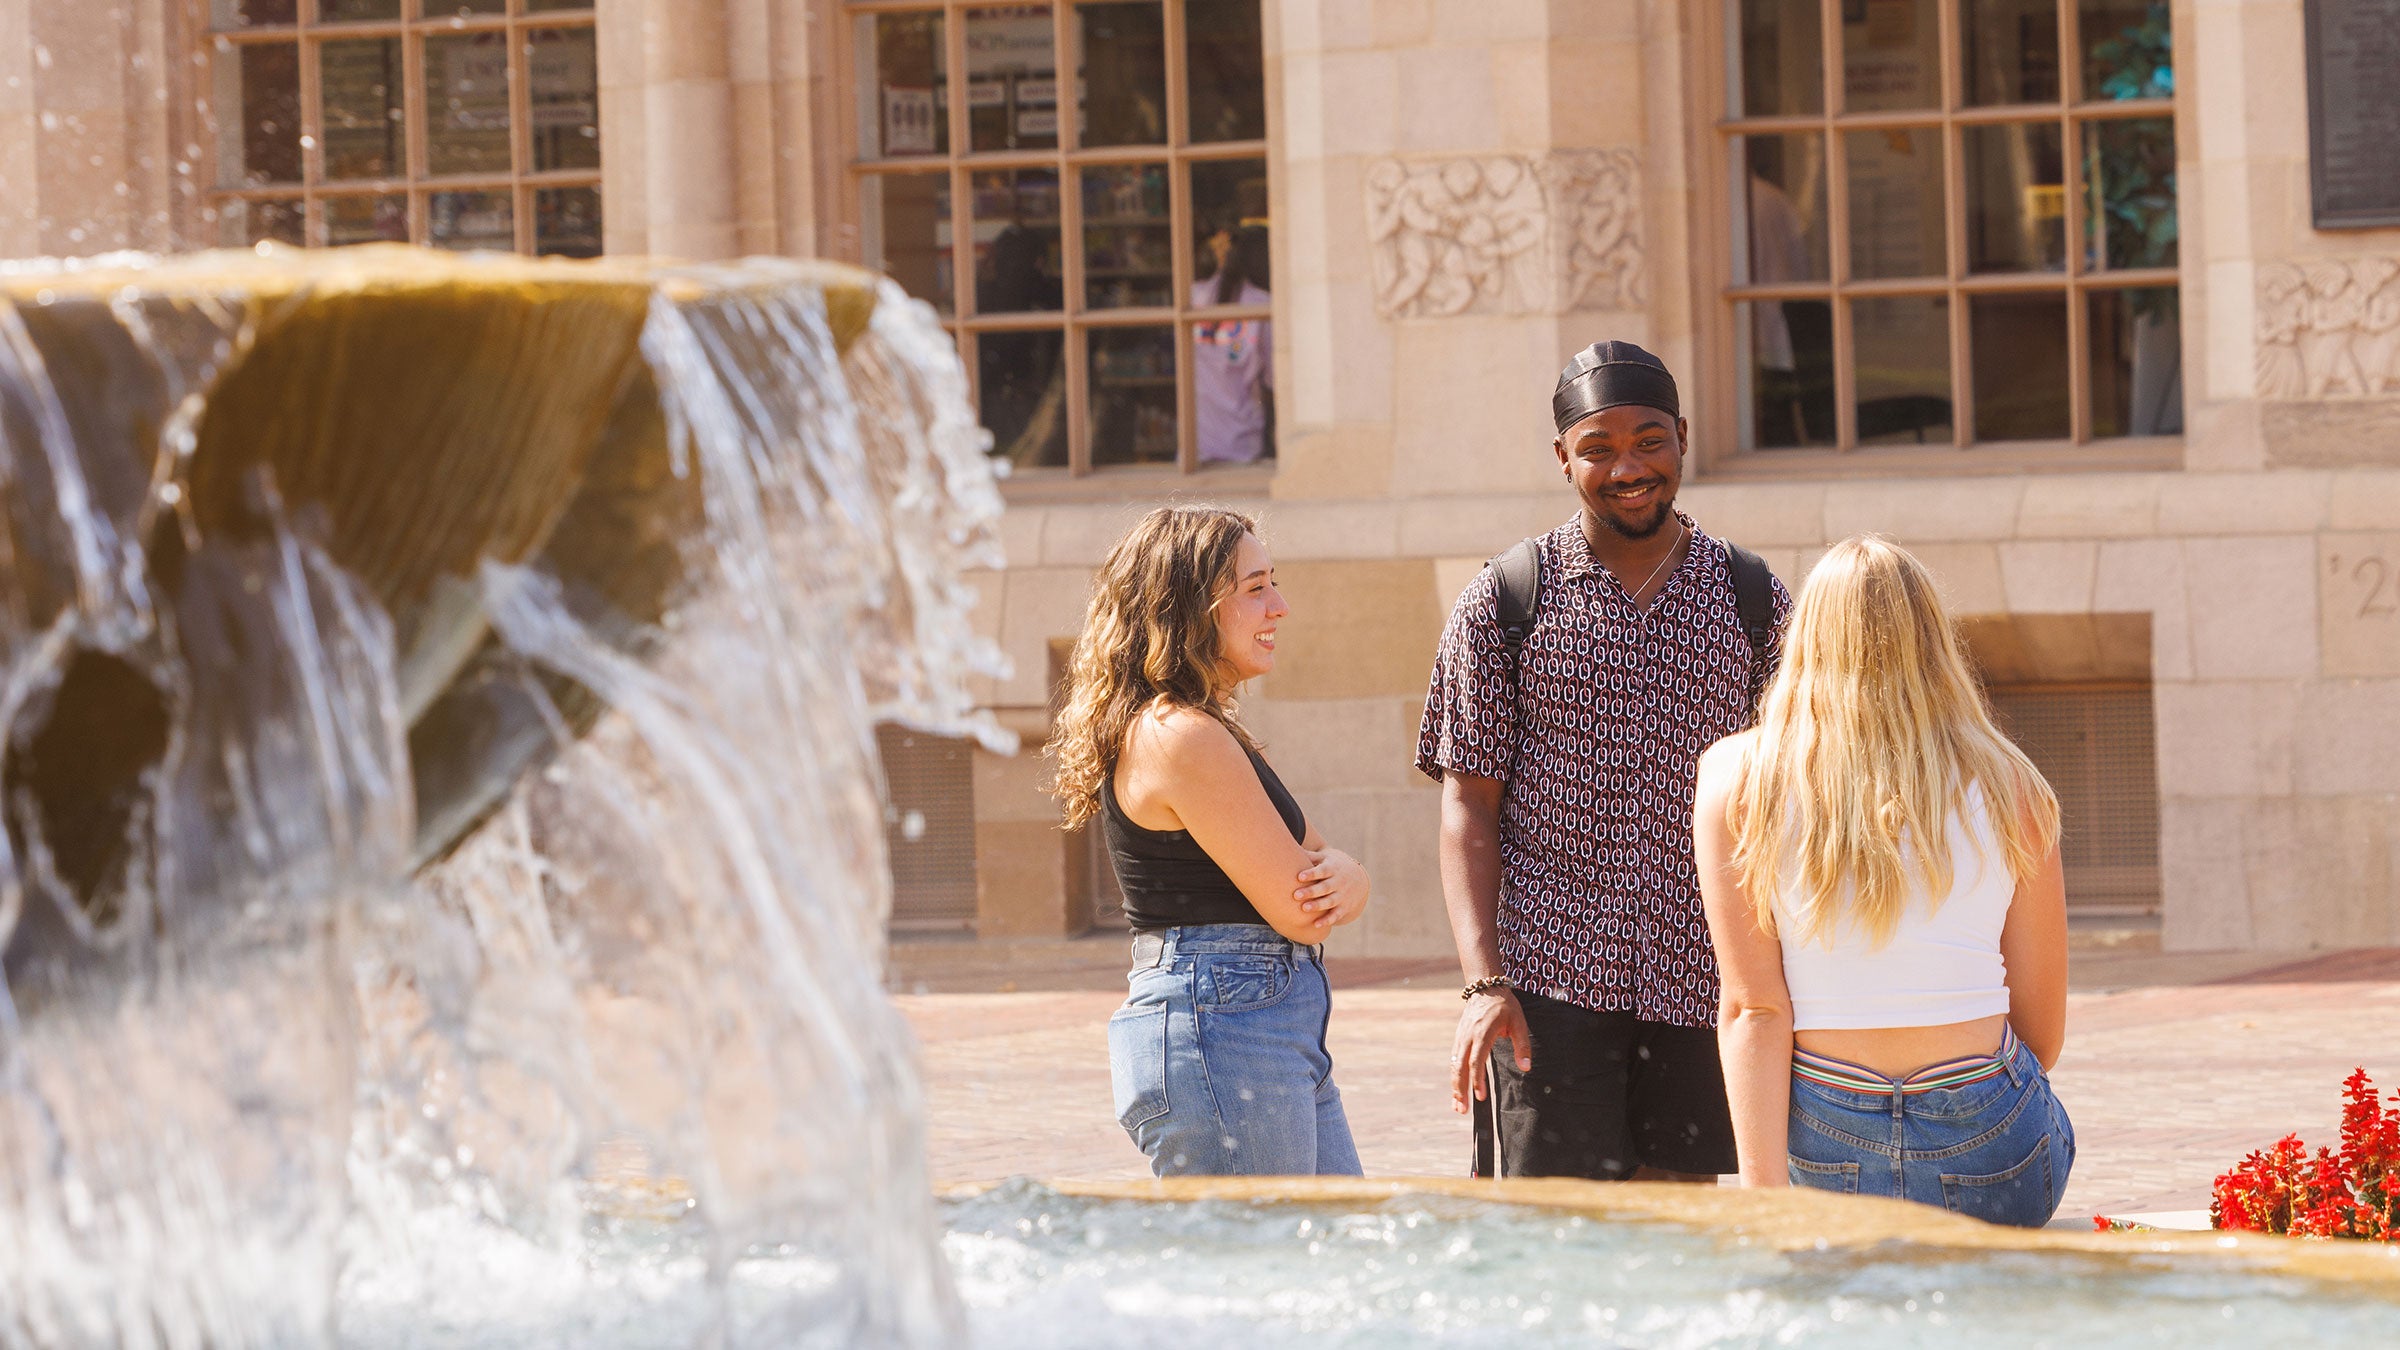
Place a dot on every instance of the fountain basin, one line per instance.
(1337, 1262)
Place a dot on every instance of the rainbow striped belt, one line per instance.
(1956, 1073)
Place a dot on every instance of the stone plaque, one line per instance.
(2358, 602)
(2353, 113)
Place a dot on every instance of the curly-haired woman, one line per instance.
(1880, 869)
(1218, 1056)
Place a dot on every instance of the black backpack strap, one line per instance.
(1517, 590)
(1754, 602)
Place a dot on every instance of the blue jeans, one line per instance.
(1997, 1149)
(1218, 1056)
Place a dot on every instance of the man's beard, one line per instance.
(1646, 528)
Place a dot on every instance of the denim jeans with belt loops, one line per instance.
(1998, 1146)
(1218, 1056)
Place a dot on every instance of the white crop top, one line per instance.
(1943, 962)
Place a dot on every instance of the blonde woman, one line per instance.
(1881, 875)
(1218, 1056)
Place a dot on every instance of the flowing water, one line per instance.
(482, 946)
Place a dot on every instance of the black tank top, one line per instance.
(1168, 879)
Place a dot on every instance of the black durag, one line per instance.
(1610, 375)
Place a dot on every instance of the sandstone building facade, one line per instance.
(2078, 298)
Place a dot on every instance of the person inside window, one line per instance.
(1233, 365)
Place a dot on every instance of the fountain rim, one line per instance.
(1783, 1220)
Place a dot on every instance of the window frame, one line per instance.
(1075, 319)
(1716, 297)
(415, 183)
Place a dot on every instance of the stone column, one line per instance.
(87, 161)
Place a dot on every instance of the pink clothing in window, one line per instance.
(1233, 367)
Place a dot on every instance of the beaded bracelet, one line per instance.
(1485, 985)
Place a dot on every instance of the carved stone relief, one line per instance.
(2329, 329)
(1506, 233)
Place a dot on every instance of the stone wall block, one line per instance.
(1359, 629)
(1760, 515)
(2049, 577)
(1451, 100)
(1041, 604)
(1080, 534)
(2359, 606)
(1483, 426)
(2204, 874)
(2104, 506)
(1483, 526)
(2321, 872)
(1021, 880)
(1946, 509)
(1406, 916)
(2364, 499)
(1335, 744)
(2224, 738)
(1352, 459)
(2348, 738)
(1361, 113)
(1356, 529)
(1969, 575)
(2146, 575)
(2226, 503)
(2253, 607)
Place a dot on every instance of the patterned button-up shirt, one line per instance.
(1596, 727)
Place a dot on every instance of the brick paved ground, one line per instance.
(2175, 1065)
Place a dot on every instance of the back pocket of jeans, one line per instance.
(1137, 1064)
(1841, 1178)
(1234, 983)
(2024, 1195)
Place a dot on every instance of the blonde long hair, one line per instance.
(1870, 736)
(1149, 636)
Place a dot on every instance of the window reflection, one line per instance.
(1017, 262)
(1132, 380)
(904, 109)
(1891, 55)
(366, 220)
(1896, 203)
(1789, 366)
(1784, 189)
(1022, 385)
(363, 117)
(1122, 61)
(2010, 50)
(261, 143)
(471, 220)
(466, 92)
(1782, 57)
(1128, 242)
(2016, 198)
(1902, 375)
(566, 222)
(2136, 344)
(1225, 74)
(1012, 78)
(2128, 50)
(906, 233)
(2019, 344)
(2129, 176)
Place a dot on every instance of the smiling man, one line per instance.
(1578, 680)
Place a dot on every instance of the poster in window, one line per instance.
(907, 120)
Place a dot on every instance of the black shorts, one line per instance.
(1607, 1093)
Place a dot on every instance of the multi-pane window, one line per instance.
(461, 124)
(1952, 222)
(1081, 191)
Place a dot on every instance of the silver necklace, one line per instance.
(1681, 530)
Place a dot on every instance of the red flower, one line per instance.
(2354, 1192)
